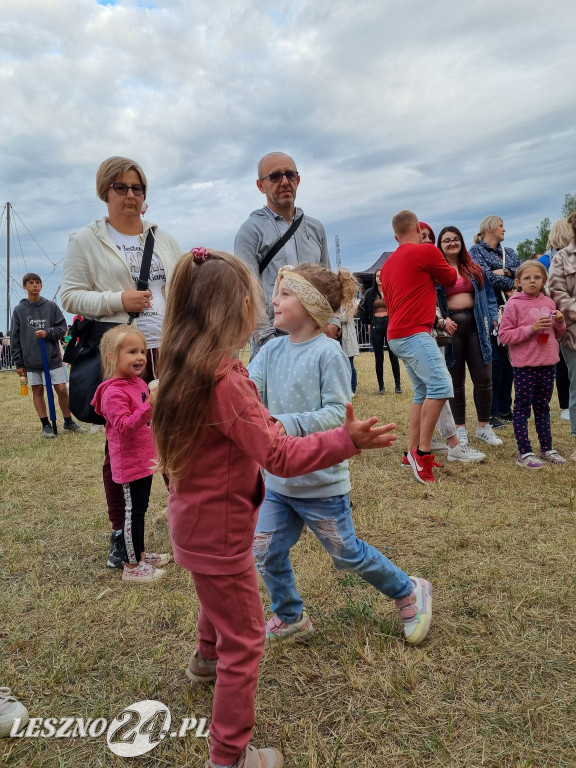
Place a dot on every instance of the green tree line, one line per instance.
(527, 247)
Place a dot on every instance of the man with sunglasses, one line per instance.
(278, 180)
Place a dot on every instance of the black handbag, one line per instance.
(83, 354)
(83, 351)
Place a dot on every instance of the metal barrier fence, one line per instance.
(6, 356)
(362, 334)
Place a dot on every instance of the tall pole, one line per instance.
(7, 267)
(338, 259)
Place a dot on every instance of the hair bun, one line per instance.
(200, 254)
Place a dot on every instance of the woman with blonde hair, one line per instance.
(500, 264)
(100, 275)
(560, 236)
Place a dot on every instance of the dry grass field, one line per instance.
(494, 685)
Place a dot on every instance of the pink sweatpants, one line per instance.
(231, 629)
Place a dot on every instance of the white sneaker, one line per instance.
(10, 710)
(437, 445)
(142, 574)
(565, 414)
(466, 454)
(462, 435)
(488, 435)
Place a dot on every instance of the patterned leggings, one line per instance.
(533, 387)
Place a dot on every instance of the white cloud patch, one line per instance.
(453, 110)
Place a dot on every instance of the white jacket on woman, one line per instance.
(95, 275)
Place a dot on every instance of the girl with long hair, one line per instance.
(472, 317)
(213, 434)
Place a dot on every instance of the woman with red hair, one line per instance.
(472, 315)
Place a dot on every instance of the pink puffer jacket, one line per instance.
(124, 405)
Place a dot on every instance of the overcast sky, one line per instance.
(454, 110)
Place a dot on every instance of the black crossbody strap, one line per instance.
(142, 284)
(280, 244)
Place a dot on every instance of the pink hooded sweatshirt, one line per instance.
(124, 405)
(519, 316)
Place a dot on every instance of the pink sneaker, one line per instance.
(278, 630)
(416, 611)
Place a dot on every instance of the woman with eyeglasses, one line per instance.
(100, 272)
(472, 314)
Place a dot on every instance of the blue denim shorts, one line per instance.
(425, 366)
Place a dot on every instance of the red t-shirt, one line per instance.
(409, 277)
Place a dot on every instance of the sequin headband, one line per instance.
(314, 302)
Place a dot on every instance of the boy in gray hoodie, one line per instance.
(33, 319)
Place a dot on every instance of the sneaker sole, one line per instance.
(490, 442)
(294, 637)
(473, 460)
(423, 626)
(143, 579)
(199, 678)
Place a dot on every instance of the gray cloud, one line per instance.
(452, 110)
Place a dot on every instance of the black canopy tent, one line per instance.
(365, 277)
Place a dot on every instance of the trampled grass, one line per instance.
(494, 685)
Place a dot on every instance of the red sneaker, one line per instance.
(406, 463)
(422, 466)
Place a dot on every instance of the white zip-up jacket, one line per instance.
(95, 275)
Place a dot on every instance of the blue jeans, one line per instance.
(425, 366)
(279, 527)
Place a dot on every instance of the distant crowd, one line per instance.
(153, 356)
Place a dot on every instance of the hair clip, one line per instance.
(200, 254)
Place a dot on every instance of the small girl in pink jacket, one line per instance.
(126, 404)
(530, 327)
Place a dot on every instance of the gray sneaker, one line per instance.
(466, 454)
(488, 435)
(437, 445)
(47, 431)
(73, 427)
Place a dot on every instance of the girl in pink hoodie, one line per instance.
(213, 434)
(126, 404)
(530, 327)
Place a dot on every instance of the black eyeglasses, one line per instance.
(451, 240)
(122, 189)
(276, 176)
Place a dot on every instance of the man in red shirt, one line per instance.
(409, 277)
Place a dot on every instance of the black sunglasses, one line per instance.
(122, 189)
(276, 176)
